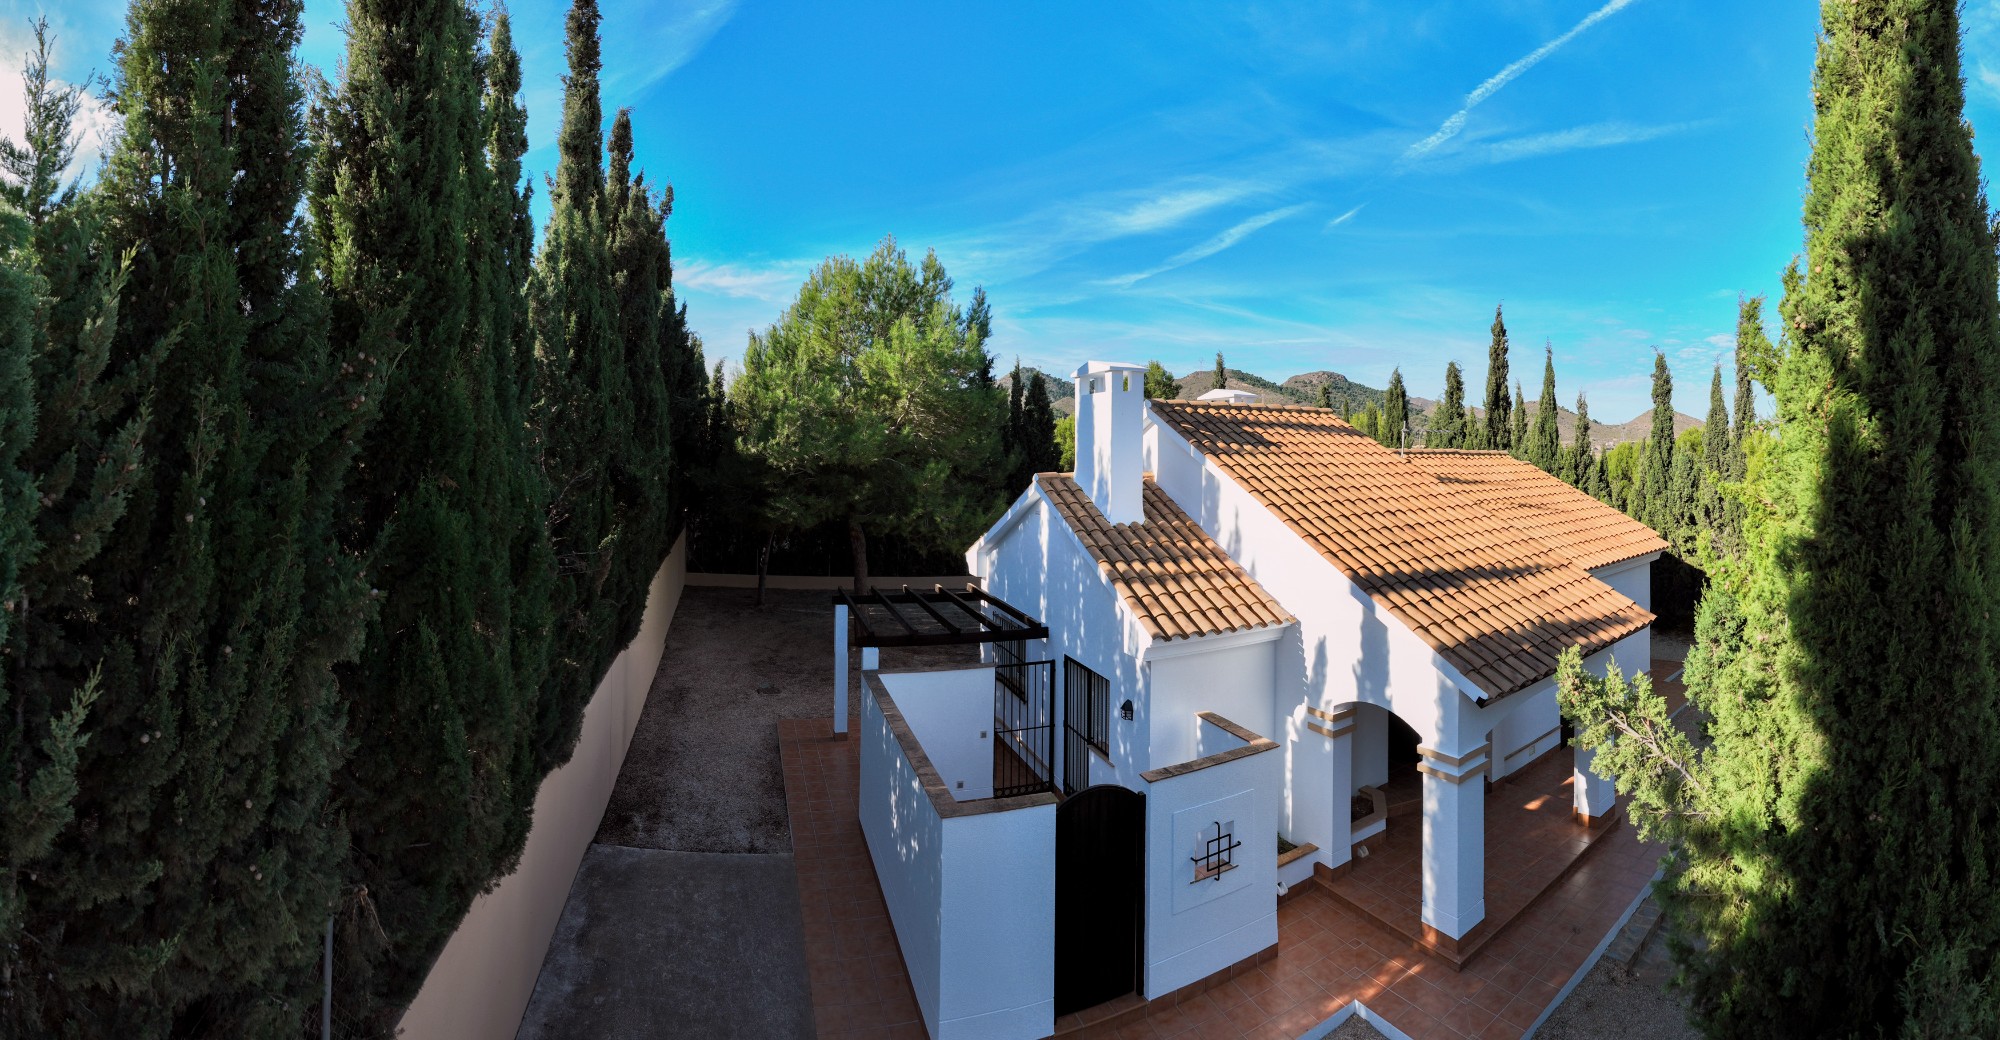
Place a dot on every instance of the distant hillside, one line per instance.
(1350, 396)
(1603, 436)
(1195, 384)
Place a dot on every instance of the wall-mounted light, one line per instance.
(1125, 711)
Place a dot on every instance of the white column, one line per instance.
(1454, 839)
(1593, 795)
(1341, 763)
(871, 658)
(840, 668)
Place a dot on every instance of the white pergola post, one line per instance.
(840, 668)
(1593, 795)
(871, 658)
(1454, 839)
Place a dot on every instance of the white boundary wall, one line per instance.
(1195, 929)
(972, 897)
(480, 985)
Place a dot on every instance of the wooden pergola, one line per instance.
(908, 617)
(939, 617)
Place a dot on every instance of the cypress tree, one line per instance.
(1651, 488)
(584, 401)
(1517, 426)
(1221, 373)
(641, 464)
(1499, 429)
(1039, 425)
(204, 587)
(33, 167)
(1753, 349)
(1544, 447)
(421, 246)
(1836, 842)
(71, 451)
(1013, 436)
(1716, 446)
(1579, 458)
(1395, 411)
(1447, 429)
(1325, 398)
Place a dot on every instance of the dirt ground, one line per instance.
(702, 774)
(1621, 1004)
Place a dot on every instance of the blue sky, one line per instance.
(1336, 185)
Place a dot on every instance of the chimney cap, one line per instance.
(1091, 368)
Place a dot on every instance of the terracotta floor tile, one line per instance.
(1329, 954)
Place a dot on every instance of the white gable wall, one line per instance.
(1343, 650)
(1034, 561)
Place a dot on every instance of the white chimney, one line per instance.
(1110, 403)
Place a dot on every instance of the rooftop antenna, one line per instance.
(1405, 449)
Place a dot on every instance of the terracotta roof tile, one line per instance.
(1495, 602)
(1583, 530)
(1168, 570)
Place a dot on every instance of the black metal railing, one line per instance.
(1023, 728)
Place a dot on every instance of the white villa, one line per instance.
(1234, 621)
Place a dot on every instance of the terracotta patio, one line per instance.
(1329, 954)
(1532, 842)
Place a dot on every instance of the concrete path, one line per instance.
(655, 943)
(684, 919)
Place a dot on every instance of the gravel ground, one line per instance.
(702, 774)
(1355, 1029)
(1621, 1004)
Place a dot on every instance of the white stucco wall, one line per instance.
(972, 897)
(999, 936)
(1634, 578)
(1232, 680)
(951, 713)
(1193, 929)
(1532, 729)
(1033, 560)
(905, 838)
(1343, 650)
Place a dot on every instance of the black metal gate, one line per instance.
(1100, 896)
(1022, 725)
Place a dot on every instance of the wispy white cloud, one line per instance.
(1344, 217)
(1031, 243)
(1217, 244)
(646, 40)
(1456, 122)
(774, 282)
(1535, 146)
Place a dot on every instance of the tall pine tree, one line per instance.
(1836, 841)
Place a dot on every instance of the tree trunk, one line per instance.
(763, 567)
(858, 540)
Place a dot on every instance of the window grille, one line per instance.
(1089, 698)
(1218, 853)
